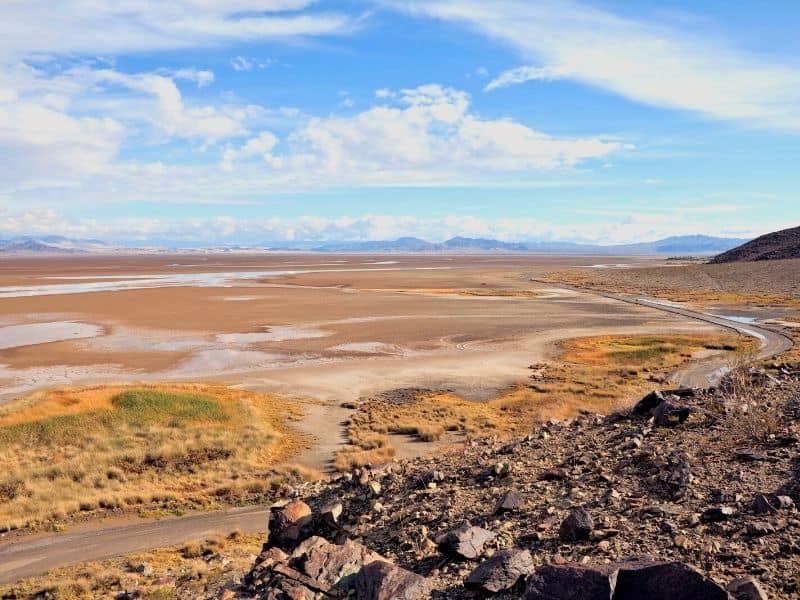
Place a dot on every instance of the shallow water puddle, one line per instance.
(366, 348)
(138, 282)
(277, 333)
(738, 319)
(29, 334)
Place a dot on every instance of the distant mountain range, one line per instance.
(772, 246)
(680, 245)
(49, 244)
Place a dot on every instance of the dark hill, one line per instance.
(772, 246)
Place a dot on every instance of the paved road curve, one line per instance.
(29, 556)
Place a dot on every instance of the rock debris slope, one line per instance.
(689, 495)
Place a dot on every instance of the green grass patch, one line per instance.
(148, 407)
(133, 408)
(641, 353)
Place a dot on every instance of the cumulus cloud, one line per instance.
(227, 229)
(170, 114)
(427, 131)
(648, 62)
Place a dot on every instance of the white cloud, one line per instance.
(240, 63)
(428, 132)
(647, 62)
(118, 26)
(225, 228)
(61, 128)
(208, 124)
(523, 74)
(39, 142)
(200, 77)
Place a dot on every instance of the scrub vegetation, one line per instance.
(144, 448)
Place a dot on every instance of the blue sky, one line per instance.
(255, 120)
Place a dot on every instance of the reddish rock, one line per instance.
(383, 581)
(289, 525)
(503, 571)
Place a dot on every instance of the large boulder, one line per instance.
(648, 403)
(503, 571)
(466, 541)
(571, 582)
(332, 565)
(664, 581)
(383, 581)
(289, 525)
(664, 407)
(634, 580)
(316, 568)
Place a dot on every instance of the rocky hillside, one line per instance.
(689, 495)
(772, 246)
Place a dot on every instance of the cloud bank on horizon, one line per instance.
(294, 119)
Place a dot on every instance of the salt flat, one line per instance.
(330, 327)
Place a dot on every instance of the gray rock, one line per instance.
(763, 505)
(510, 501)
(577, 526)
(571, 582)
(717, 513)
(503, 571)
(664, 581)
(759, 528)
(669, 414)
(648, 403)
(633, 580)
(331, 565)
(465, 541)
(383, 581)
(331, 513)
(746, 588)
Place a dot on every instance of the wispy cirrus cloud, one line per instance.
(648, 62)
(522, 75)
(119, 26)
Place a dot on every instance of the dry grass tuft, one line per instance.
(596, 374)
(141, 448)
(190, 570)
(751, 414)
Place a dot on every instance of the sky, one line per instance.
(252, 121)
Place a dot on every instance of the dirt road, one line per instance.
(710, 371)
(706, 372)
(29, 556)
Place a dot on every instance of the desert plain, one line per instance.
(138, 387)
(329, 329)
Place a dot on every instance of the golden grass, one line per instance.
(185, 571)
(144, 448)
(597, 374)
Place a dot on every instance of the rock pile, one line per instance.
(659, 503)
